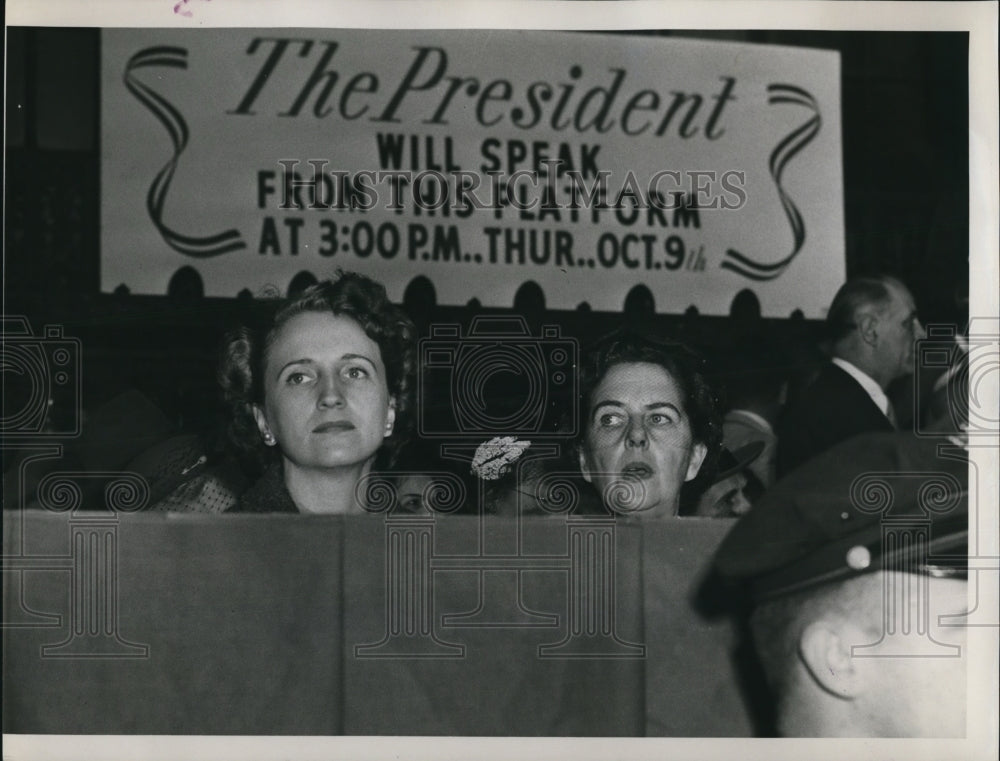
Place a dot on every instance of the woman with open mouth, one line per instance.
(648, 423)
(320, 394)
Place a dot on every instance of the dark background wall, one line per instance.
(905, 141)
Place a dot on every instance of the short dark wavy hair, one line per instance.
(244, 353)
(858, 292)
(701, 404)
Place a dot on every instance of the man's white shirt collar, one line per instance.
(866, 382)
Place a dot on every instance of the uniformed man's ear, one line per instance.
(825, 650)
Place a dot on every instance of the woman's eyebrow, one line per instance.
(303, 361)
(608, 403)
(650, 406)
(366, 358)
(660, 405)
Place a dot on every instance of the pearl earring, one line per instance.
(269, 439)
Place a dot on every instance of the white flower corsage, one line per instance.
(494, 457)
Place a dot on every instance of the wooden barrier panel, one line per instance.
(410, 624)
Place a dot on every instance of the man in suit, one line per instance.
(873, 327)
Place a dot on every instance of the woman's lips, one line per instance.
(338, 426)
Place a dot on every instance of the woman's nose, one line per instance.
(635, 436)
(330, 393)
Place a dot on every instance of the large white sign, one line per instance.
(482, 159)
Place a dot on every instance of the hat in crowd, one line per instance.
(182, 477)
(120, 428)
(168, 463)
(735, 461)
(866, 504)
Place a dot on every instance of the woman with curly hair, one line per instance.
(320, 395)
(648, 423)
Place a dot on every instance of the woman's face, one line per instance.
(326, 401)
(412, 493)
(638, 447)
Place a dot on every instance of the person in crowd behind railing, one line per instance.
(320, 395)
(422, 481)
(725, 494)
(755, 391)
(522, 479)
(648, 422)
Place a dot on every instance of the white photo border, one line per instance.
(979, 19)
